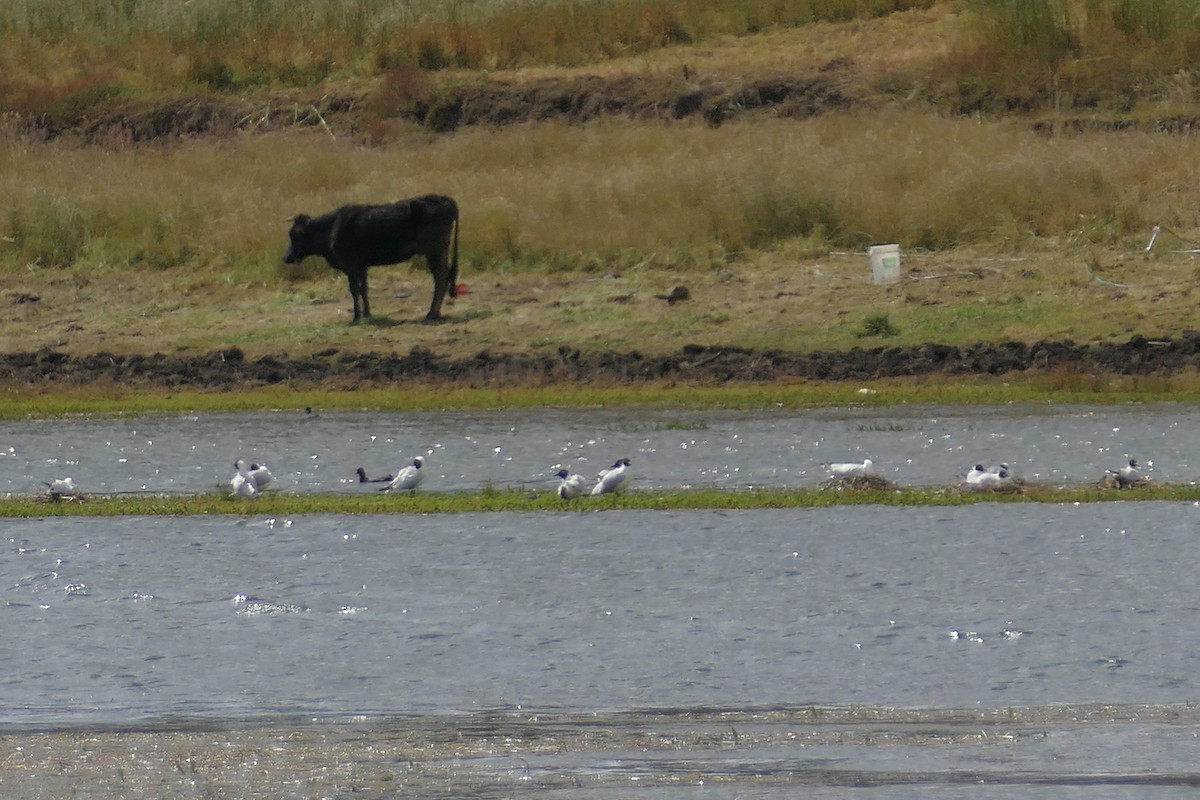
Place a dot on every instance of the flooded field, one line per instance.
(857, 651)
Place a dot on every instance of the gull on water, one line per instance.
(407, 479)
(613, 478)
(570, 485)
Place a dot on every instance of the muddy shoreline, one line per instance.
(700, 364)
(494, 755)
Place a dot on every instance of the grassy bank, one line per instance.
(573, 233)
(1061, 387)
(569, 232)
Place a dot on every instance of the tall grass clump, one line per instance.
(48, 231)
(1072, 53)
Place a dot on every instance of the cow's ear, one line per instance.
(301, 219)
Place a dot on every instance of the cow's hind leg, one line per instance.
(356, 292)
(362, 291)
(441, 284)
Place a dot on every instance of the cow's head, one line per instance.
(299, 246)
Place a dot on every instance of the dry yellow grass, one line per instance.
(875, 47)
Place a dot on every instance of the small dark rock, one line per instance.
(676, 294)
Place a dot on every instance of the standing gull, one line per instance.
(1129, 474)
(240, 484)
(613, 478)
(988, 478)
(258, 475)
(570, 485)
(851, 469)
(407, 479)
(62, 487)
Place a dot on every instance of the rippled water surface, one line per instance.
(320, 452)
(667, 640)
(112, 619)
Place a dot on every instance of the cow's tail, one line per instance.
(454, 257)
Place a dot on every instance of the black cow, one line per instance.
(359, 236)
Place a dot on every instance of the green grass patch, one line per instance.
(508, 500)
(1058, 387)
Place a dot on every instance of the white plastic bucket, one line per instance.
(885, 263)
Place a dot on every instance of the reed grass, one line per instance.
(606, 196)
(60, 58)
(272, 504)
(58, 54)
(1075, 53)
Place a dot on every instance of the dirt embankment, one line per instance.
(359, 109)
(365, 110)
(694, 363)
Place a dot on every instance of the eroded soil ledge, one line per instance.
(702, 364)
(364, 110)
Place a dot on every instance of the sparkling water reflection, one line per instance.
(145, 617)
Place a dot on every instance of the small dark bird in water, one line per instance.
(362, 477)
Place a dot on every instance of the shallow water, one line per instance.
(320, 452)
(493, 620)
(143, 617)
(473, 618)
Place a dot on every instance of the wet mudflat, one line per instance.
(741, 654)
(1125, 752)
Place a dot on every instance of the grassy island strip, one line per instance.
(494, 500)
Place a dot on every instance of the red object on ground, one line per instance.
(462, 288)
